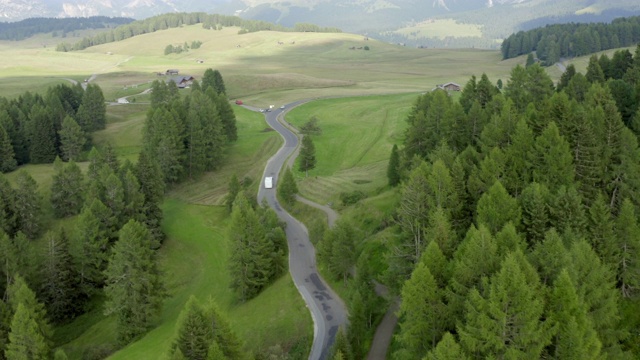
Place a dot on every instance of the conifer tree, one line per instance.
(439, 230)
(549, 256)
(67, 189)
(307, 155)
(553, 165)
(134, 287)
(535, 211)
(42, 138)
(95, 108)
(72, 139)
(447, 349)
(509, 240)
(227, 116)
(628, 248)
(601, 231)
(507, 321)
(7, 155)
(341, 347)
(234, 189)
(19, 294)
(518, 166)
(60, 287)
(594, 71)
(575, 337)
(28, 205)
(25, 339)
(218, 83)
(194, 333)
(287, 188)
(393, 169)
(90, 243)
(567, 211)
(163, 140)
(337, 249)
(149, 174)
(496, 208)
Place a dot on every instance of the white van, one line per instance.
(268, 182)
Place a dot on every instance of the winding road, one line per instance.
(327, 309)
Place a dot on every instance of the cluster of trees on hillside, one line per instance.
(174, 20)
(177, 49)
(105, 247)
(26, 28)
(518, 232)
(568, 40)
(35, 129)
(188, 134)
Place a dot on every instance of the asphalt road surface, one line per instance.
(327, 309)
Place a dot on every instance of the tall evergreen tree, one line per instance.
(553, 160)
(287, 188)
(594, 71)
(447, 349)
(20, 295)
(28, 205)
(307, 155)
(67, 189)
(575, 337)
(507, 321)
(7, 155)
(149, 174)
(496, 208)
(95, 108)
(25, 339)
(423, 311)
(72, 139)
(163, 140)
(134, 287)
(43, 137)
(89, 246)
(218, 83)
(338, 249)
(535, 211)
(601, 232)
(628, 248)
(393, 169)
(60, 286)
(234, 190)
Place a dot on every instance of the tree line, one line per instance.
(26, 28)
(553, 42)
(188, 134)
(517, 228)
(34, 129)
(174, 20)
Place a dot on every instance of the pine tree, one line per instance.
(134, 287)
(594, 71)
(307, 155)
(439, 230)
(163, 141)
(7, 156)
(553, 165)
(496, 208)
(194, 333)
(575, 337)
(218, 83)
(72, 139)
(535, 211)
(337, 249)
(67, 189)
(601, 231)
(549, 257)
(530, 60)
(234, 189)
(60, 287)
(287, 188)
(43, 137)
(507, 322)
(149, 174)
(567, 212)
(95, 108)
(19, 294)
(447, 349)
(25, 339)
(227, 117)
(628, 248)
(341, 347)
(509, 240)
(89, 246)
(393, 169)
(28, 205)
(518, 166)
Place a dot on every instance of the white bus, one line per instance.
(268, 182)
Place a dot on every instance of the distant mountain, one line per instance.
(495, 19)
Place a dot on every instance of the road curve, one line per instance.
(327, 309)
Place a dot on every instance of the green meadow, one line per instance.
(361, 98)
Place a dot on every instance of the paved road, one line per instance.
(327, 309)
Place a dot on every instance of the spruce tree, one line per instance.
(307, 155)
(601, 232)
(227, 117)
(152, 186)
(496, 208)
(339, 249)
(535, 211)
(218, 83)
(439, 231)
(25, 339)
(95, 108)
(447, 349)
(134, 287)
(553, 164)
(19, 294)
(43, 137)
(594, 71)
(72, 139)
(67, 189)
(628, 248)
(549, 257)
(7, 156)
(393, 169)
(567, 212)
(60, 286)
(423, 312)
(575, 337)
(194, 333)
(287, 188)
(28, 205)
(234, 189)
(89, 246)
(507, 321)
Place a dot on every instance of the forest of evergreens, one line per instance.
(553, 42)
(26, 28)
(518, 220)
(173, 20)
(51, 272)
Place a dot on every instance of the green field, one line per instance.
(353, 150)
(440, 28)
